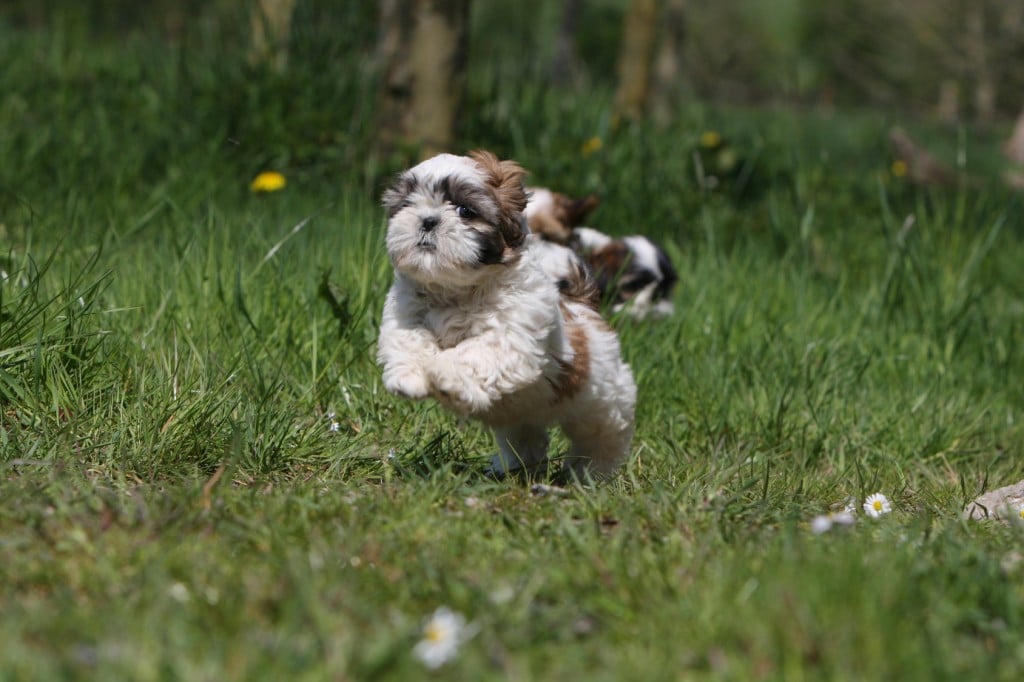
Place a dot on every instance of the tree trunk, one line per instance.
(271, 26)
(978, 49)
(1014, 148)
(635, 59)
(422, 50)
(669, 61)
(565, 63)
(948, 109)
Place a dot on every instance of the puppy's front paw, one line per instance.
(460, 391)
(408, 382)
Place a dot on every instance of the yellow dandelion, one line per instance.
(267, 181)
(709, 138)
(899, 168)
(592, 145)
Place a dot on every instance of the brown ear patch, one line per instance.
(572, 212)
(506, 181)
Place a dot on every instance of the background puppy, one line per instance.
(633, 272)
(552, 215)
(475, 320)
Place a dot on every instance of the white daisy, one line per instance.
(821, 524)
(443, 634)
(843, 518)
(876, 505)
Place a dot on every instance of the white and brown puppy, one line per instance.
(475, 320)
(633, 272)
(552, 215)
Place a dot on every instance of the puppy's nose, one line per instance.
(429, 223)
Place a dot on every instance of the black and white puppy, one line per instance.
(633, 273)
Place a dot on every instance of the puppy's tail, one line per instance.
(577, 284)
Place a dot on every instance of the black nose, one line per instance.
(429, 223)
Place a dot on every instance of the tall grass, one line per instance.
(203, 477)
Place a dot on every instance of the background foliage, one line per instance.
(203, 478)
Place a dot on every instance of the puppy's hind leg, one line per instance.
(598, 448)
(521, 448)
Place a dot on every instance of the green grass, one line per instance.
(176, 505)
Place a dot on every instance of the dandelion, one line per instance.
(267, 181)
(710, 138)
(876, 505)
(443, 633)
(592, 145)
(899, 168)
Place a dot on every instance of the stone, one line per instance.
(1003, 503)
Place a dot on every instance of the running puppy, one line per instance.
(475, 320)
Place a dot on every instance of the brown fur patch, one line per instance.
(576, 371)
(506, 181)
(556, 224)
(572, 212)
(579, 286)
(550, 228)
(609, 261)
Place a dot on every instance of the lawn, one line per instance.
(203, 478)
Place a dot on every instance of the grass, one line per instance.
(174, 350)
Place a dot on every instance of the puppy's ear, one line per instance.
(573, 212)
(505, 179)
(395, 195)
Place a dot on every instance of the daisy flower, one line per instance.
(821, 524)
(876, 505)
(268, 181)
(443, 633)
(843, 518)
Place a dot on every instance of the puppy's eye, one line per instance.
(465, 212)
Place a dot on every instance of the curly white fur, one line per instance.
(479, 319)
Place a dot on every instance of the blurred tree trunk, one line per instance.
(635, 59)
(668, 62)
(948, 109)
(271, 26)
(977, 55)
(565, 63)
(1014, 148)
(422, 52)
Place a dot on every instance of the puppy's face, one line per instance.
(451, 219)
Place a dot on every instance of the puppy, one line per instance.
(552, 215)
(633, 272)
(476, 320)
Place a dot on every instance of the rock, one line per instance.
(1003, 503)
